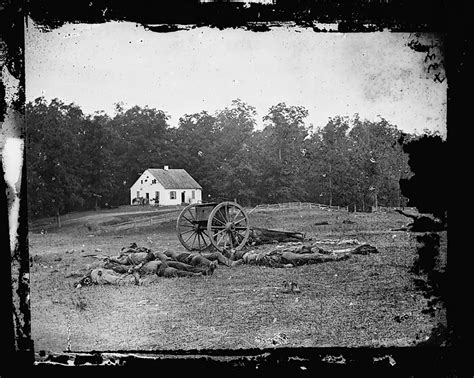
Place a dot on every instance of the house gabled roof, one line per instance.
(174, 178)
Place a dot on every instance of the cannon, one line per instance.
(222, 225)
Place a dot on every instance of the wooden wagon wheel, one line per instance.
(191, 233)
(228, 226)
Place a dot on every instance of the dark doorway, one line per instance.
(182, 197)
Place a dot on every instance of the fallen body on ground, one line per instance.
(299, 254)
(140, 265)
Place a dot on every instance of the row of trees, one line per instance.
(74, 159)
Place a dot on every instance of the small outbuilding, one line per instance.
(163, 187)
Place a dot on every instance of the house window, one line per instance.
(138, 193)
(172, 194)
(153, 181)
(193, 195)
(141, 181)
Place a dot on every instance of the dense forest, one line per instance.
(75, 159)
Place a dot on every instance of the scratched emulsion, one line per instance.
(12, 151)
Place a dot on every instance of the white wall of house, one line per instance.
(176, 196)
(147, 187)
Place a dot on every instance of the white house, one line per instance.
(165, 187)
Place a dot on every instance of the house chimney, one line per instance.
(166, 167)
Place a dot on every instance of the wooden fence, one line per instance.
(312, 205)
(299, 205)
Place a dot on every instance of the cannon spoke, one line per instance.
(236, 214)
(187, 231)
(240, 220)
(189, 237)
(189, 220)
(219, 232)
(205, 243)
(199, 240)
(186, 225)
(219, 220)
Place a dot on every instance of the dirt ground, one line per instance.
(367, 300)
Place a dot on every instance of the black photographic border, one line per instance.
(350, 16)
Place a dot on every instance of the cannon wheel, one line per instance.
(228, 226)
(191, 233)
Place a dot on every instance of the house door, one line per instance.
(183, 197)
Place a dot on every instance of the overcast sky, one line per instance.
(189, 71)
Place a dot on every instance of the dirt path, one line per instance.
(104, 216)
(98, 217)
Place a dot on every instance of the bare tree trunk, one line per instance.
(399, 192)
(330, 184)
(58, 219)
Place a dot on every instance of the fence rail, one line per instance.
(300, 205)
(312, 205)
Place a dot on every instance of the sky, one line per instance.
(185, 72)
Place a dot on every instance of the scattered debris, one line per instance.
(364, 249)
(295, 288)
(400, 318)
(320, 223)
(348, 221)
(290, 287)
(92, 226)
(74, 274)
(143, 302)
(277, 339)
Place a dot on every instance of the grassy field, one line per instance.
(367, 300)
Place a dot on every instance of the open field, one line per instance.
(367, 300)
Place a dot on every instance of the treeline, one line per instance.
(75, 160)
